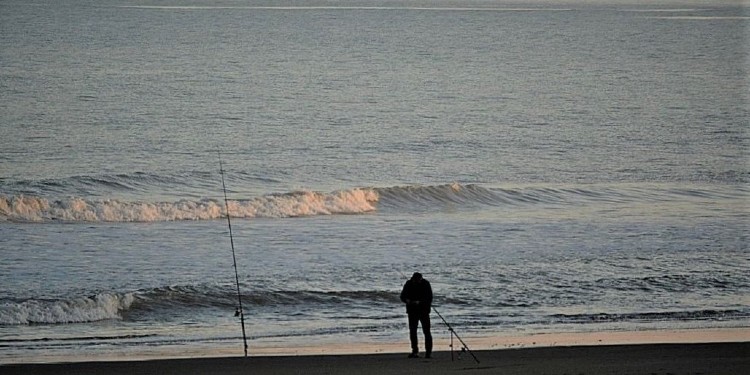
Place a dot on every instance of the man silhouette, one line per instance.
(417, 295)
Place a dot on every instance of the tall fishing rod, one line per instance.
(464, 347)
(239, 311)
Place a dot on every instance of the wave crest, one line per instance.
(77, 310)
(38, 209)
(167, 300)
(437, 195)
(410, 198)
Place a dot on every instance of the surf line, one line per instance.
(239, 311)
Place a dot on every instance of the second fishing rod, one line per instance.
(240, 311)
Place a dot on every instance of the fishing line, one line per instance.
(239, 311)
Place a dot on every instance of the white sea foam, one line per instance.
(38, 209)
(76, 310)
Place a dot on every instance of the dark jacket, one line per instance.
(417, 296)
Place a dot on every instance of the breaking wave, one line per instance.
(170, 300)
(37, 209)
(191, 296)
(76, 310)
(167, 300)
(415, 198)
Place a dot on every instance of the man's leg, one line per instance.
(413, 323)
(425, 318)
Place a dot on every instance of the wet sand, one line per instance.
(700, 358)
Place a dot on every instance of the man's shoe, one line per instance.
(428, 355)
(413, 355)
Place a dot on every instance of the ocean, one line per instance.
(548, 166)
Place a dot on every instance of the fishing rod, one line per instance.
(464, 347)
(239, 311)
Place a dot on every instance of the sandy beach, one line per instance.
(698, 351)
(713, 358)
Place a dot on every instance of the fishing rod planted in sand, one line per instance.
(464, 347)
(239, 311)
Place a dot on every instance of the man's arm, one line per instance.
(428, 297)
(404, 293)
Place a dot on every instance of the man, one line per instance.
(417, 295)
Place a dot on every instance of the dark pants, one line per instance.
(414, 319)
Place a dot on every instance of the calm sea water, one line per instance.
(548, 167)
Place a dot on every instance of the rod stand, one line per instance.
(451, 331)
(464, 347)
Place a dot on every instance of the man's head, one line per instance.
(416, 277)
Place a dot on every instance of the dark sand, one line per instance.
(714, 358)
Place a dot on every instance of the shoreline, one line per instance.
(531, 340)
(441, 344)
